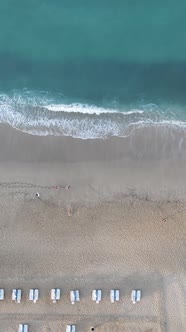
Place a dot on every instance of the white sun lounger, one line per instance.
(135, 295)
(70, 328)
(34, 295)
(114, 295)
(74, 296)
(55, 294)
(16, 295)
(96, 295)
(2, 294)
(23, 328)
(138, 296)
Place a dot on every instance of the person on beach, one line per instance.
(58, 187)
(37, 195)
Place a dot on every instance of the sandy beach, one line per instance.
(120, 225)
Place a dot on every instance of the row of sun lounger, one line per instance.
(74, 295)
(33, 295)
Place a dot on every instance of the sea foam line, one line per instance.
(29, 99)
(37, 115)
(84, 128)
(87, 109)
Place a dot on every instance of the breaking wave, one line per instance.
(41, 114)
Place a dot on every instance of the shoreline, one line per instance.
(95, 169)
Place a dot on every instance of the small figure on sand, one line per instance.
(38, 195)
(70, 211)
(60, 187)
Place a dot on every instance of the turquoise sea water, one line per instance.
(91, 68)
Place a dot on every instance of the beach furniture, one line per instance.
(74, 296)
(70, 328)
(114, 295)
(135, 295)
(16, 295)
(138, 296)
(34, 295)
(2, 294)
(23, 328)
(96, 295)
(55, 294)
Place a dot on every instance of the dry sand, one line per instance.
(120, 225)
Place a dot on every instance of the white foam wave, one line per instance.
(21, 112)
(28, 98)
(84, 128)
(23, 99)
(86, 109)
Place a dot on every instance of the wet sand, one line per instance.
(120, 225)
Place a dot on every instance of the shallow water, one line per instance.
(117, 56)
